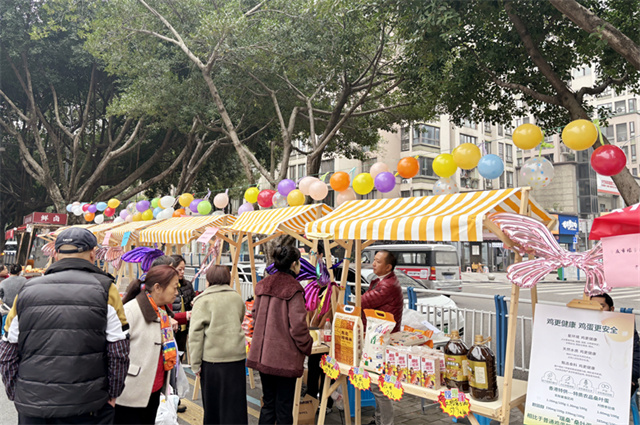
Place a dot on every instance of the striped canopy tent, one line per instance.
(182, 230)
(100, 230)
(117, 234)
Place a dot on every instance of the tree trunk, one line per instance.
(314, 161)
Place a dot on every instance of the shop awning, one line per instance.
(456, 217)
(100, 229)
(625, 221)
(181, 230)
(266, 222)
(134, 227)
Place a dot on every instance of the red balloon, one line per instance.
(85, 207)
(109, 212)
(608, 160)
(265, 198)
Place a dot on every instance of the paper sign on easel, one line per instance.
(621, 260)
(207, 235)
(107, 237)
(125, 238)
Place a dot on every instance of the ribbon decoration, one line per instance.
(142, 255)
(111, 254)
(531, 237)
(49, 249)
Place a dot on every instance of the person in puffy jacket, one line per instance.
(281, 338)
(384, 294)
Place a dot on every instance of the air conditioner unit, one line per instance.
(620, 110)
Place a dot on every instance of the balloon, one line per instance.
(340, 181)
(99, 219)
(385, 182)
(166, 213)
(318, 190)
(466, 156)
(92, 208)
(138, 216)
(75, 203)
(89, 216)
(69, 207)
(445, 186)
(77, 210)
(295, 198)
(204, 207)
(265, 198)
(109, 212)
(490, 166)
(286, 186)
(142, 206)
(251, 195)
(156, 211)
(221, 200)
(124, 214)
(147, 215)
(527, 136)
(305, 183)
(608, 160)
(193, 206)
(101, 206)
(129, 218)
(363, 183)
(167, 201)
(377, 168)
(179, 212)
(113, 203)
(118, 220)
(345, 195)
(537, 173)
(155, 203)
(278, 200)
(444, 165)
(246, 207)
(407, 167)
(579, 135)
(131, 208)
(185, 199)
(85, 207)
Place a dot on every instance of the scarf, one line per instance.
(169, 348)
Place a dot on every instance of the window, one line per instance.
(426, 135)
(502, 181)
(509, 179)
(633, 152)
(519, 162)
(508, 130)
(621, 132)
(487, 128)
(405, 194)
(366, 165)
(549, 157)
(426, 167)
(422, 192)
(327, 166)
(500, 130)
(488, 184)
(509, 153)
(525, 120)
(404, 139)
(606, 93)
(501, 150)
(371, 195)
(625, 149)
(292, 172)
(632, 129)
(634, 171)
(469, 124)
(302, 170)
(487, 147)
(608, 132)
(465, 138)
(632, 105)
(621, 107)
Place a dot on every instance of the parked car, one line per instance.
(437, 266)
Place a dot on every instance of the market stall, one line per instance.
(453, 217)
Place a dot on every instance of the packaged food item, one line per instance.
(403, 364)
(391, 360)
(430, 368)
(247, 322)
(415, 367)
(455, 353)
(428, 334)
(483, 381)
(346, 344)
(377, 338)
(408, 339)
(439, 355)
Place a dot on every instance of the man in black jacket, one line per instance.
(65, 354)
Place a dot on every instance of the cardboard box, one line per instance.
(430, 366)
(403, 364)
(308, 408)
(391, 361)
(415, 370)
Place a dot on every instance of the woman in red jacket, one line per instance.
(281, 338)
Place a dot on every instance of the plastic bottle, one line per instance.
(483, 381)
(455, 357)
(327, 332)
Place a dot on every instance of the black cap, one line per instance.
(81, 238)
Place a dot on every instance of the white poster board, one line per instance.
(580, 371)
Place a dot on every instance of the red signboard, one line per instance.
(45, 218)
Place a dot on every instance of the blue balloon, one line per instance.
(70, 207)
(490, 167)
(156, 211)
(101, 206)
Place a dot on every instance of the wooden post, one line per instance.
(236, 261)
(358, 261)
(296, 400)
(252, 262)
(345, 270)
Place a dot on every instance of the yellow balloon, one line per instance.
(363, 183)
(444, 165)
(138, 216)
(251, 195)
(295, 198)
(579, 135)
(185, 199)
(113, 203)
(147, 215)
(527, 136)
(467, 156)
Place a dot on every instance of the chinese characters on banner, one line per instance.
(454, 403)
(580, 366)
(330, 367)
(622, 260)
(45, 218)
(359, 378)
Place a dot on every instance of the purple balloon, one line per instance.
(286, 186)
(142, 206)
(124, 214)
(246, 207)
(193, 206)
(385, 182)
(92, 208)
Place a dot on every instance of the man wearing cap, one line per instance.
(65, 353)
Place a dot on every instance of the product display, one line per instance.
(483, 381)
(455, 353)
(377, 338)
(346, 344)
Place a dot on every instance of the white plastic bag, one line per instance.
(167, 410)
(182, 384)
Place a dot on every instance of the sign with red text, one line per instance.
(45, 218)
(330, 367)
(454, 403)
(621, 260)
(360, 378)
(391, 387)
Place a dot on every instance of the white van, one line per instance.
(436, 265)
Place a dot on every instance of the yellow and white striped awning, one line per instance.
(181, 230)
(266, 222)
(100, 229)
(456, 217)
(134, 227)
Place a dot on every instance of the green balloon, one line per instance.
(155, 202)
(204, 207)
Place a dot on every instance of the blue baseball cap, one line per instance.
(82, 239)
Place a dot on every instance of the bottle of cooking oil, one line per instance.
(455, 357)
(483, 381)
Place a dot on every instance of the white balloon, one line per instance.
(377, 168)
(279, 201)
(129, 218)
(99, 219)
(164, 214)
(76, 203)
(118, 220)
(167, 201)
(445, 186)
(221, 200)
(77, 210)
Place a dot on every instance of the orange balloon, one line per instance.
(89, 216)
(179, 212)
(340, 181)
(408, 167)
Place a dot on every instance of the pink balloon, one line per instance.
(377, 168)
(345, 195)
(318, 190)
(305, 184)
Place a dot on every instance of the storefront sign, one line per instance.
(568, 225)
(454, 403)
(330, 367)
(606, 185)
(621, 260)
(391, 387)
(45, 218)
(360, 378)
(580, 371)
